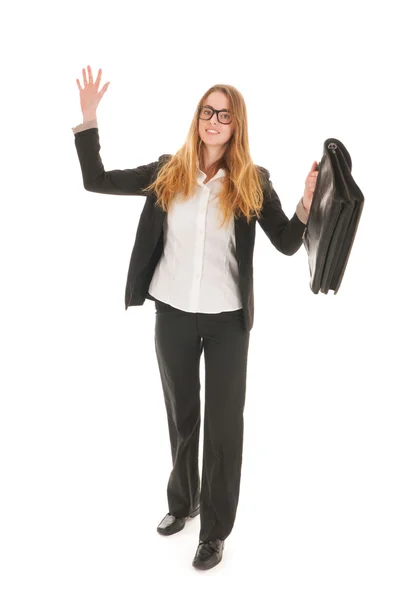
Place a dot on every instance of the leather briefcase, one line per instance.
(333, 220)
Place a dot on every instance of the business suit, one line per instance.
(285, 235)
(181, 337)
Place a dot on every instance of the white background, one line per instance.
(85, 454)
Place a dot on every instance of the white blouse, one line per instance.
(198, 270)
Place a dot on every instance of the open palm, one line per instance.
(89, 94)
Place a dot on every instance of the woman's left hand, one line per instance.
(310, 186)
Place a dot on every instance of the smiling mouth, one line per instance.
(212, 131)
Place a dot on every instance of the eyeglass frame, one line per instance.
(214, 111)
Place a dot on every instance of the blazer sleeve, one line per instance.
(284, 233)
(96, 179)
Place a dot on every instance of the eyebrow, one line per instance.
(209, 106)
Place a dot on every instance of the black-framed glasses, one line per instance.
(223, 116)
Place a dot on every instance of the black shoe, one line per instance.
(208, 554)
(171, 524)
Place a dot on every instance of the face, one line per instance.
(218, 101)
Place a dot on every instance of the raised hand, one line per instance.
(89, 94)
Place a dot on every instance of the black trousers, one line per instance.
(179, 341)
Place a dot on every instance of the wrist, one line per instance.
(89, 116)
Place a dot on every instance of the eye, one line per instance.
(225, 116)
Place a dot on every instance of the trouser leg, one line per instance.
(178, 349)
(225, 354)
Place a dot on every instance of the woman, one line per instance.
(198, 269)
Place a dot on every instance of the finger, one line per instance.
(90, 74)
(104, 89)
(313, 175)
(313, 167)
(84, 77)
(97, 82)
(79, 85)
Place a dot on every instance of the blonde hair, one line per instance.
(244, 185)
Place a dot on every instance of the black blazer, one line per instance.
(285, 235)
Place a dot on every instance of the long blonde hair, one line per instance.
(244, 185)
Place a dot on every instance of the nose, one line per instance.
(214, 119)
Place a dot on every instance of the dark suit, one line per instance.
(285, 234)
(180, 338)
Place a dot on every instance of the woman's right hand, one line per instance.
(89, 94)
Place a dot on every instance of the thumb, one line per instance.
(104, 89)
(314, 166)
